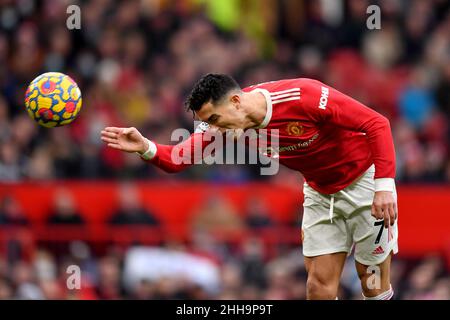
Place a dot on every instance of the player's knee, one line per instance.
(317, 288)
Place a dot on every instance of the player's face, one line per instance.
(227, 114)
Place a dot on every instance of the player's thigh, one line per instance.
(327, 268)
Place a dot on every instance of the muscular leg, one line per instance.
(372, 287)
(324, 273)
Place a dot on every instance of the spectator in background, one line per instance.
(416, 100)
(217, 214)
(278, 280)
(252, 262)
(64, 210)
(231, 280)
(144, 290)
(130, 209)
(109, 283)
(5, 129)
(257, 214)
(10, 169)
(24, 280)
(11, 213)
(6, 289)
(441, 289)
(422, 280)
(443, 89)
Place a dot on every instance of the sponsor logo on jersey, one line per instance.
(294, 129)
(324, 98)
(274, 152)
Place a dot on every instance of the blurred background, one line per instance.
(221, 232)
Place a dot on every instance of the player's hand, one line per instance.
(384, 207)
(125, 139)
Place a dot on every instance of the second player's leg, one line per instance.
(324, 273)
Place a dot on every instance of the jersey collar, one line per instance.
(268, 116)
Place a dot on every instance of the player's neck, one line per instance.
(256, 109)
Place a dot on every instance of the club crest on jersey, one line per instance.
(294, 129)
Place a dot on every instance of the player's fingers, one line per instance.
(109, 134)
(115, 146)
(374, 211)
(386, 216)
(109, 140)
(395, 210)
(128, 130)
(113, 129)
(391, 214)
(377, 210)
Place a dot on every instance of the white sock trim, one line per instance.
(387, 295)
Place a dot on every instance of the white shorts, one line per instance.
(329, 227)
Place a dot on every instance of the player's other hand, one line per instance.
(384, 207)
(125, 139)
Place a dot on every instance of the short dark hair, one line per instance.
(212, 87)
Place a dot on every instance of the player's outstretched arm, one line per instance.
(170, 158)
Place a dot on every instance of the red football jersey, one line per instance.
(326, 135)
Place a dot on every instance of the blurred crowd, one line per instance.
(240, 273)
(135, 62)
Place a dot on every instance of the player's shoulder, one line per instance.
(284, 84)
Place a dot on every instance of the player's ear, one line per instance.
(236, 100)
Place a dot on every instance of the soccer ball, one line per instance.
(53, 99)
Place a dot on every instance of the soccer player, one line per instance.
(343, 149)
